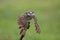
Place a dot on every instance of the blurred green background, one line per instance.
(46, 11)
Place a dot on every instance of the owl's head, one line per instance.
(30, 13)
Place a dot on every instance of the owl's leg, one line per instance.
(23, 32)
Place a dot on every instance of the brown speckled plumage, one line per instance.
(24, 23)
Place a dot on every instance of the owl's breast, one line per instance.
(29, 18)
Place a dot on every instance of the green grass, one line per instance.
(46, 11)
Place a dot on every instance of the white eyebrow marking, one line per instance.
(30, 12)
